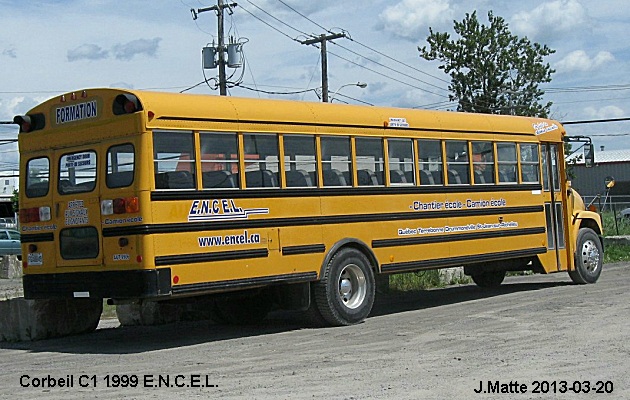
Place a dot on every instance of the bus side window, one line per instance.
(483, 162)
(300, 161)
(174, 160)
(430, 162)
(457, 162)
(219, 160)
(37, 177)
(506, 161)
(261, 160)
(530, 164)
(120, 166)
(401, 161)
(336, 161)
(370, 161)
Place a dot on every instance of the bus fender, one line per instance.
(350, 242)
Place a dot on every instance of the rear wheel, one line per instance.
(345, 293)
(488, 279)
(589, 256)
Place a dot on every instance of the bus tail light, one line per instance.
(29, 123)
(120, 205)
(35, 214)
(126, 104)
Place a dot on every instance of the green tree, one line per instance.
(491, 70)
(15, 200)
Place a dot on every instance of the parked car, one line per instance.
(10, 243)
(7, 223)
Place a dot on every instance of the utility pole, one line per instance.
(221, 49)
(322, 39)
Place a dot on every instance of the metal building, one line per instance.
(608, 164)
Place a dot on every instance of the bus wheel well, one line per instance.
(589, 223)
(354, 244)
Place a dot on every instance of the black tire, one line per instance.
(345, 293)
(488, 279)
(242, 310)
(589, 256)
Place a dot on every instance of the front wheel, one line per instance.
(589, 256)
(345, 293)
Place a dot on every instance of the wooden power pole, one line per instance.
(322, 39)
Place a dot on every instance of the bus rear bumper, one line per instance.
(138, 284)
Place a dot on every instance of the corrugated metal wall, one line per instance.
(591, 181)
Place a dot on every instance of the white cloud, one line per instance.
(550, 18)
(411, 19)
(87, 52)
(9, 53)
(9, 107)
(124, 51)
(140, 46)
(580, 61)
(604, 112)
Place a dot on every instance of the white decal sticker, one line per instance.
(220, 210)
(544, 127)
(76, 214)
(398, 123)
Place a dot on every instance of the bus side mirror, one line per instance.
(589, 155)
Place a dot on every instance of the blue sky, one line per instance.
(48, 47)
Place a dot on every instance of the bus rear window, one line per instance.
(37, 177)
(78, 243)
(77, 172)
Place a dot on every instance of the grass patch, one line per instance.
(612, 228)
(616, 252)
(425, 280)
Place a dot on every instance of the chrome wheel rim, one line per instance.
(590, 257)
(352, 286)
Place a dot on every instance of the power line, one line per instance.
(595, 121)
(269, 25)
(304, 16)
(594, 88)
(385, 66)
(270, 92)
(369, 48)
(398, 61)
(385, 76)
(277, 19)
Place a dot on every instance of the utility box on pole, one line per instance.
(209, 55)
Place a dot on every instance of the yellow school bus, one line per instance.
(135, 195)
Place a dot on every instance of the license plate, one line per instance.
(35, 259)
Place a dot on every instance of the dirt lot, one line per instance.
(538, 331)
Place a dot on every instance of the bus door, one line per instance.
(555, 206)
(76, 208)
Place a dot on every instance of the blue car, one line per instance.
(10, 243)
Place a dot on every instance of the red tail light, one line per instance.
(120, 205)
(35, 214)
